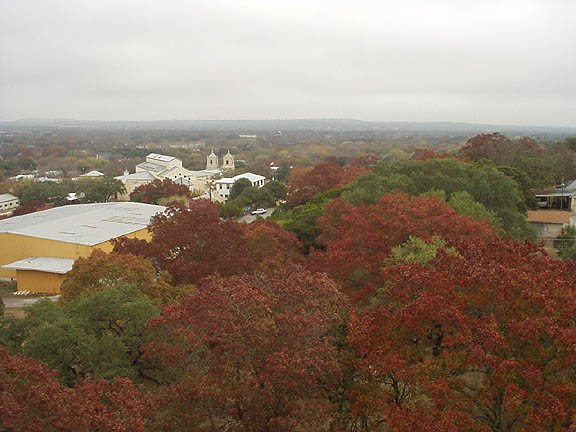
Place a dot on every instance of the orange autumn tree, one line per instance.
(271, 247)
(101, 270)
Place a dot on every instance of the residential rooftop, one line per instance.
(85, 224)
(548, 216)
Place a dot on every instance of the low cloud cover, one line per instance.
(504, 62)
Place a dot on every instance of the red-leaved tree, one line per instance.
(303, 185)
(359, 239)
(251, 353)
(192, 243)
(482, 342)
(32, 400)
(499, 148)
(271, 247)
(152, 192)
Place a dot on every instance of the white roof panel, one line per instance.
(44, 264)
(206, 173)
(7, 197)
(225, 180)
(160, 157)
(86, 224)
(93, 174)
(250, 176)
(144, 175)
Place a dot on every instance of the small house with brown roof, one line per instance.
(548, 223)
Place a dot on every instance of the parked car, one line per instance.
(259, 211)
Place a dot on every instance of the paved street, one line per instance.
(12, 301)
(249, 218)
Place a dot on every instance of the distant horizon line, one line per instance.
(456, 122)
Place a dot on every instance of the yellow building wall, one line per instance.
(36, 281)
(15, 247)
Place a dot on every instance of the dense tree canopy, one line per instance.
(389, 297)
(523, 153)
(98, 335)
(252, 353)
(486, 184)
(358, 239)
(303, 185)
(469, 342)
(192, 243)
(32, 399)
(102, 270)
(102, 189)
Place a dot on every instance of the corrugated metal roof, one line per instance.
(86, 224)
(44, 264)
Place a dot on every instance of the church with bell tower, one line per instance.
(212, 162)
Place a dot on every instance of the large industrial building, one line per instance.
(38, 249)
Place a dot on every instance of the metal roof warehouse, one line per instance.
(30, 245)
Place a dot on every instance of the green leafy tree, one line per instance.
(301, 220)
(418, 251)
(100, 189)
(486, 184)
(464, 204)
(96, 335)
(256, 197)
(230, 209)
(276, 189)
(238, 187)
(571, 143)
(524, 183)
(45, 192)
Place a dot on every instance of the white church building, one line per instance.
(160, 167)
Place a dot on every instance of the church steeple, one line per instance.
(212, 161)
(228, 161)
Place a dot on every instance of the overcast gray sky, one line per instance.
(489, 61)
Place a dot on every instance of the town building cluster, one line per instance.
(206, 182)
